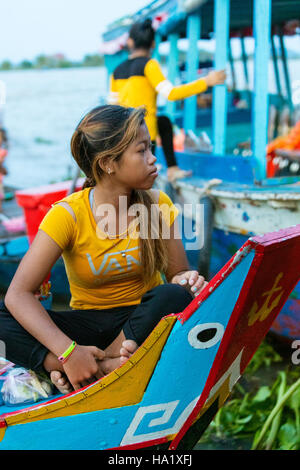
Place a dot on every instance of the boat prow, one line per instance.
(166, 394)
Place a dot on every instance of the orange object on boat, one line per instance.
(178, 141)
(289, 142)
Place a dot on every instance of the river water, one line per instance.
(41, 111)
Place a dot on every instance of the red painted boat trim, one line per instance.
(268, 238)
(262, 244)
(216, 280)
(215, 369)
(3, 423)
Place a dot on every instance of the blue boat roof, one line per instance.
(151, 10)
(173, 15)
(241, 14)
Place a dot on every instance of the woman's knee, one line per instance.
(172, 297)
(156, 303)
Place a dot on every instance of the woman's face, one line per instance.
(136, 169)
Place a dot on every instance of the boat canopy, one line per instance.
(220, 20)
(171, 16)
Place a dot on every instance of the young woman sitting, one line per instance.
(117, 237)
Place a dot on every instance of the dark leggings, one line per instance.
(165, 131)
(93, 327)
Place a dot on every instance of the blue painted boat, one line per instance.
(134, 407)
(238, 197)
(11, 253)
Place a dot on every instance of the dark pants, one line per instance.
(165, 131)
(93, 327)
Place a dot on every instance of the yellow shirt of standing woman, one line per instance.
(137, 82)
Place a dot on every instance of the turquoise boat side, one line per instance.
(11, 253)
(163, 409)
(211, 341)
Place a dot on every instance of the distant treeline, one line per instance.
(53, 61)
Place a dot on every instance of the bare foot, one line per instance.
(111, 363)
(61, 382)
(174, 173)
(128, 348)
(106, 366)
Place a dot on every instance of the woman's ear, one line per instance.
(105, 165)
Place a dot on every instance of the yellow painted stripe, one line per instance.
(122, 387)
(2, 432)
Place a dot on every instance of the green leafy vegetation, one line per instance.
(264, 408)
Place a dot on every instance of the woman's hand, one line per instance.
(81, 367)
(215, 77)
(191, 280)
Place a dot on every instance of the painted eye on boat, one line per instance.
(205, 335)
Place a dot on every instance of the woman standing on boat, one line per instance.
(138, 80)
(113, 259)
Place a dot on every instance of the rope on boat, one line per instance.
(208, 203)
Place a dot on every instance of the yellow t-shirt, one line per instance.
(102, 272)
(136, 82)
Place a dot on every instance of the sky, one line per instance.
(72, 27)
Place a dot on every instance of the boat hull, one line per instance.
(224, 245)
(134, 406)
(239, 212)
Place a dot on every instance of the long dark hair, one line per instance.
(142, 34)
(104, 134)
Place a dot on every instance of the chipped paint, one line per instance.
(245, 217)
(251, 193)
(253, 213)
(236, 259)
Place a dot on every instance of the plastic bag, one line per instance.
(24, 386)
